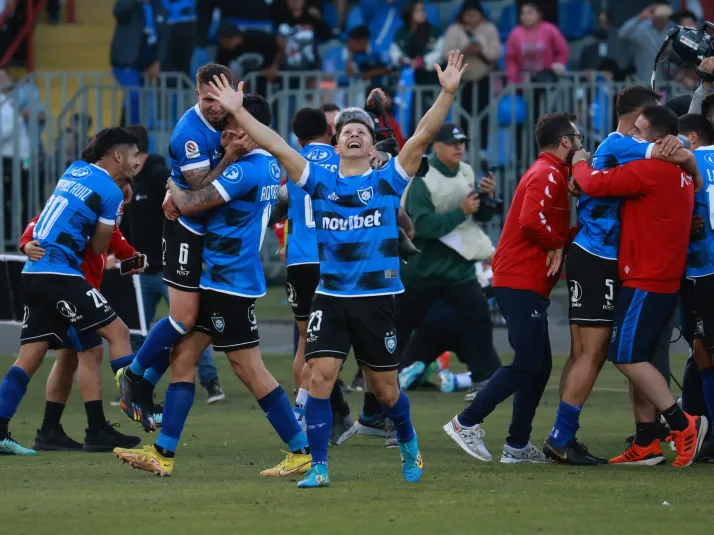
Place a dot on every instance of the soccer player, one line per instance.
(311, 128)
(100, 434)
(526, 266)
(240, 199)
(593, 282)
(700, 260)
(86, 202)
(357, 234)
(659, 199)
(197, 158)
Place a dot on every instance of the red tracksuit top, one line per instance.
(94, 264)
(656, 219)
(538, 221)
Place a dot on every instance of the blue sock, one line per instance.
(163, 335)
(279, 413)
(399, 414)
(122, 362)
(179, 398)
(567, 423)
(159, 367)
(12, 389)
(318, 416)
(708, 389)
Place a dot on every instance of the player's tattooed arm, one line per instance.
(199, 178)
(191, 202)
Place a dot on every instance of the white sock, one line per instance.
(300, 401)
(463, 380)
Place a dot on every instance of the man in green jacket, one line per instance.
(445, 206)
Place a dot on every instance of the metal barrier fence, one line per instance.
(56, 114)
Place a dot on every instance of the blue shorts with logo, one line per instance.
(640, 317)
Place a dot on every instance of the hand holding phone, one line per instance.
(135, 264)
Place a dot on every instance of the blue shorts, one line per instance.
(640, 317)
(81, 341)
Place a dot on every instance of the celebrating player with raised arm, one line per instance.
(356, 220)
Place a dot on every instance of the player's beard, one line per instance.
(571, 153)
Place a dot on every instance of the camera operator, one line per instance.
(703, 99)
(445, 206)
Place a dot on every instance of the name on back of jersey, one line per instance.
(269, 193)
(354, 221)
(73, 188)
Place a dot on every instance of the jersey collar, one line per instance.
(102, 170)
(197, 109)
(366, 173)
(705, 147)
(258, 151)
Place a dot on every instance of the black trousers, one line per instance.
(468, 302)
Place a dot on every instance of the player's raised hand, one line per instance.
(222, 91)
(450, 78)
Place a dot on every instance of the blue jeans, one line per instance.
(152, 290)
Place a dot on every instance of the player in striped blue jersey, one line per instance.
(356, 221)
(700, 260)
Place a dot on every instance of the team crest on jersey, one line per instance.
(234, 173)
(390, 341)
(365, 195)
(275, 170)
(709, 158)
(218, 323)
(318, 155)
(80, 172)
(191, 148)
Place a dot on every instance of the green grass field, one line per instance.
(216, 487)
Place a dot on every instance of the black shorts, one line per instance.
(593, 285)
(54, 303)
(704, 310)
(83, 341)
(364, 323)
(181, 255)
(229, 320)
(301, 284)
(640, 318)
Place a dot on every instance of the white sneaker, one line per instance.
(529, 455)
(469, 438)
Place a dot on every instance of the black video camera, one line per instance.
(690, 47)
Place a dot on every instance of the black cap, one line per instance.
(451, 134)
(228, 30)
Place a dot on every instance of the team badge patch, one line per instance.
(191, 148)
(218, 323)
(233, 174)
(318, 155)
(390, 341)
(251, 315)
(80, 172)
(365, 195)
(68, 310)
(292, 294)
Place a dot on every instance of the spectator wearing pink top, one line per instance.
(535, 46)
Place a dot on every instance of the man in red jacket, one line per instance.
(82, 355)
(657, 210)
(526, 267)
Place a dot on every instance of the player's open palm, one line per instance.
(450, 77)
(222, 91)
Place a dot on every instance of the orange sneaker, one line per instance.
(642, 455)
(444, 359)
(689, 441)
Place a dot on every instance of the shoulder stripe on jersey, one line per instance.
(195, 165)
(305, 174)
(107, 221)
(222, 191)
(400, 169)
(650, 148)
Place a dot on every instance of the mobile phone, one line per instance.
(132, 264)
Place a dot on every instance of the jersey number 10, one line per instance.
(53, 209)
